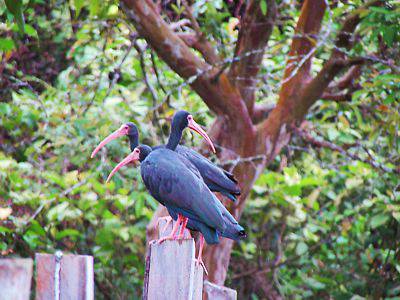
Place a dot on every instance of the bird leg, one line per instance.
(175, 229)
(182, 231)
(199, 260)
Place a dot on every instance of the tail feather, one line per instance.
(230, 176)
(235, 232)
(229, 196)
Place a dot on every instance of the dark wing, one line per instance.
(210, 234)
(216, 178)
(173, 184)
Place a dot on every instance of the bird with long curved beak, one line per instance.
(216, 178)
(125, 130)
(182, 190)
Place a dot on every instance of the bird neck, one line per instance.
(174, 138)
(133, 141)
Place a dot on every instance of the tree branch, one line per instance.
(261, 112)
(344, 38)
(338, 97)
(220, 96)
(298, 66)
(201, 44)
(254, 34)
(197, 43)
(347, 80)
(335, 64)
(274, 132)
(321, 143)
(162, 38)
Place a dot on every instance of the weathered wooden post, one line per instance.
(15, 278)
(62, 276)
(212, 291)
(171, 272)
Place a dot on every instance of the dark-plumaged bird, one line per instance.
(177, 184)
(216, 178)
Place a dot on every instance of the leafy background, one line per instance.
(78, 72)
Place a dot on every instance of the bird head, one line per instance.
(138, 154)
(183, 119)
(128, 129)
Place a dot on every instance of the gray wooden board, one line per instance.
(198, 282)
(75, 277)
(171, 272)
(15, 278)
(215, 292)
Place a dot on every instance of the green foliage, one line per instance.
(16, 8)
(330, 222)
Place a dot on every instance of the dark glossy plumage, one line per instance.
(216, 178)
(182, 190)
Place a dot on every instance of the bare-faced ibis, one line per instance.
(177, 184)
(216, 178)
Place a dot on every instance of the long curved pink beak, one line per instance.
(123, 130)
(133, 156)
(197, 128)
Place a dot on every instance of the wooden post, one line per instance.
(64, 276)
(212, 291)
(15, 278)
(171, 272)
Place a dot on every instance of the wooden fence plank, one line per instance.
(198, 282)
(215, 292)
(15, 278)
(64, 277)
(171, 272)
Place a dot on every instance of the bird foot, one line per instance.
(199, 261)
(166, 238)
(181, 236)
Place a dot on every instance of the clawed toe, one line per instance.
(166, 238)
(201, 262)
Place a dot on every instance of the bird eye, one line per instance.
(189, 117)
(137, 151)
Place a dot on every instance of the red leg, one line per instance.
(199, 260)
(172, 235)
(182, 231)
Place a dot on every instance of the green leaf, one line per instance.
(78, 4)
(301, 248)
(263, 6)
(67, 232)
(5, 229)
(94, 7)
(15, 7)
(6, 44)
(315, 284)
(378, 220)
(5, 108)
(29, 30)
(139, 204)
(37, 228)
